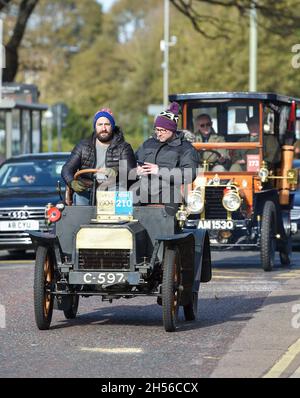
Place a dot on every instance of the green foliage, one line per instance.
(118, 64)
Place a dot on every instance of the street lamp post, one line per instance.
(164, 46)
(48, 116)
(253, 49)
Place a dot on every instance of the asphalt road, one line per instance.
(248, 326)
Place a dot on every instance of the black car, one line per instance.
(295, 213)
(27, 184)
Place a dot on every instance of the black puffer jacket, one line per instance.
(83, 156)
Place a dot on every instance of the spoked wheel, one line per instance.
(191, 309)
(43, 279)
(268, 242)
(71, 312)
(170, 288)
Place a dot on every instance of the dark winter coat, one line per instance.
(83, 156)
(178, 155)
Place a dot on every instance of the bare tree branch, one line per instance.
(12, 58)
(281, 17)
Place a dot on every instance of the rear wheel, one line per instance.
(71, 312)
(191, 309)
(268, 242)
(43, 280)
(170, 288)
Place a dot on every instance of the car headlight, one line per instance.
(195, 202)
(232, 201)
(263, 174)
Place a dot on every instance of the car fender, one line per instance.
(197, 242)
(48, 240)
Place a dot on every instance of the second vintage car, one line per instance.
(242, 194)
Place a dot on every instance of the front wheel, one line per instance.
(170, 288)
(268, 243)
(43, 281)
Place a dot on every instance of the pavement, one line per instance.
(269, 345)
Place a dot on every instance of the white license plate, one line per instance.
(20, 225)
(104, 278)
(221, 225)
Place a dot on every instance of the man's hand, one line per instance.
(78, 186)
(148, 168)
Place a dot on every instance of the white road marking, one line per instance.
(113, 350)
(284, 362)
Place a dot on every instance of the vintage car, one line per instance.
(244, 202)
(113, 249)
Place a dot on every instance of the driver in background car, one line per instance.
(104, 149)
(206, 133)
(23, 176)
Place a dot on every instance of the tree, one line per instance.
(26, 8)
(280, 17)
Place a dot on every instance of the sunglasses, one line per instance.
(205, 125)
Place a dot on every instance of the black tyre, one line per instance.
(268, 242)
(71, 312)
(170, 288)
(43, 280)
(191, 309)
(284, 259)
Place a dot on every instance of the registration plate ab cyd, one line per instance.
(222, 225)
(19, 225)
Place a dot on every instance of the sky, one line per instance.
(106, 4)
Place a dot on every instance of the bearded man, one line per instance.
(103, 150)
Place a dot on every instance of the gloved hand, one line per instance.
(78, 186)
(109, 172)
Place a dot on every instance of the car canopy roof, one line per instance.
(233, 95)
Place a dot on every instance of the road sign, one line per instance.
(154, 109)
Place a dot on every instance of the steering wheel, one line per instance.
(69, 192)
(213, 152)
(105, 171)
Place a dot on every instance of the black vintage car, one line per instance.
(27, 184)
(113, 250)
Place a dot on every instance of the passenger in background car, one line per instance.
(105, 149)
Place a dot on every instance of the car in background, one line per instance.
(295, 213)
(27, 184)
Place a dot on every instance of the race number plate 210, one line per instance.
(115, 203)
(221, 225)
